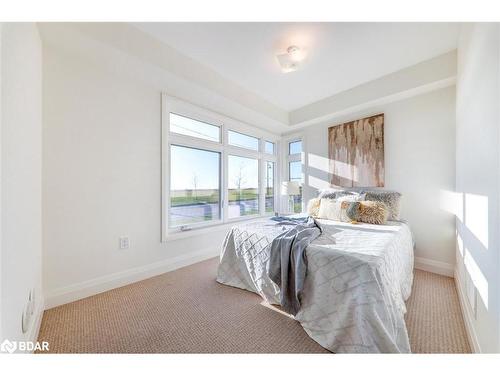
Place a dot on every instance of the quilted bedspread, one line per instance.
(358, 278)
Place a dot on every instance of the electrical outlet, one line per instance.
(27, 313)
(124, 243)
(32, 301)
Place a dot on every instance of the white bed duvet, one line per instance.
(358, 278)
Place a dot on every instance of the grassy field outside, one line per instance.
(194, 206)
(187, 197)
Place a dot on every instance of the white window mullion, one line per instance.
(225, 194)
(278, 177)
(194, 143)
(225, 199)
(262, 186)
(165, 180)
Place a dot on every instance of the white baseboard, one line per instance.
(434, 266)
(98, 285)
(467, 315)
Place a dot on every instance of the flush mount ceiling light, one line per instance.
(290, 60)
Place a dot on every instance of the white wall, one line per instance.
(102, 180)
(1, 182)
(477, 179)
(21, 163)
(419, 163)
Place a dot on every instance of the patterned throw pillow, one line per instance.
(334, 210)
(313, 207)
(371, 212)
(392, 199)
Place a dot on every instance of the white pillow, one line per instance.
(333, 210)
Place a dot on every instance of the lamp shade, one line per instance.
(290, 188)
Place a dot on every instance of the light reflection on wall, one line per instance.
(343, 169)
(471, 210)
(476, 216)
(318, 183)
(319, 162)
(460, 244)
(478, 278)
(452, 202)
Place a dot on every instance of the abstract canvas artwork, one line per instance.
(356, 153)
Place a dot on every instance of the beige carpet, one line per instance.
(187, 311)
(434, 318)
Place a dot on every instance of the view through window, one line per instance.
(269, 184)
(243, 186)
(295, 171)
(194, 186)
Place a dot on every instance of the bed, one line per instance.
(358, 279)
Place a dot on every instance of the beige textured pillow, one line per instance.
(372, 212)
(333, 210)
(313, 207)
(392, 200)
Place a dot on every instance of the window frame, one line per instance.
(259, 176)
(275, 186)
(295, 140)
(197, 120)
(173, 105)
(274, 147)
(286, 158)
(244, 134)
(169, 203)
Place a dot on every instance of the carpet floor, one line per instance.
(187, 311)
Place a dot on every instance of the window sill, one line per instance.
(174, 236)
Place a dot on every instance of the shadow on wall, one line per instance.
(472, 218)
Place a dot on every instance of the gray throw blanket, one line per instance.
(288, 262)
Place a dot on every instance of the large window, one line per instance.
(269, 186)
(295, 171)
(269, 147)
(194, 128)
(215, 169)
(243, 140)
(194, 186)
(243, 186)
(294, 147)
(294, 164)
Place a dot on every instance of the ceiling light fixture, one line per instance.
(290, 60)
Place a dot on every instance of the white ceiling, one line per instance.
(339, 55)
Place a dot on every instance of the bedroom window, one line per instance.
(269, 187)
(243, 186)
(269, 147)
(214, 169)
(294, 170)
(243, 140)
(194, 186)
(194, 128)
(294, 147)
